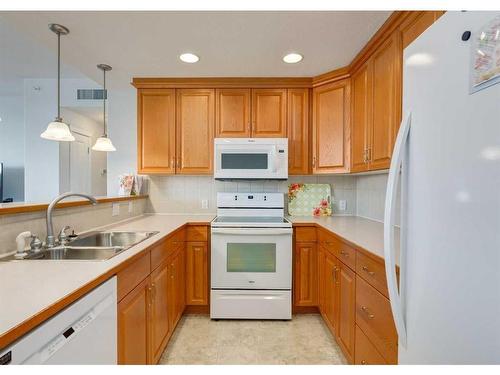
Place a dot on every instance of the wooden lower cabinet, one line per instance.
(346, 294)
(329, 274)
(306, 277)
(148, 314)
(196, 273)
(133, 326)
(365, 353)
(159, 322)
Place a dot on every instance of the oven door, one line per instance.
(251, 258)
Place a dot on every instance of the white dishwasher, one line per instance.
(83, 333)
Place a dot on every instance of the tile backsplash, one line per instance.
(180, 194)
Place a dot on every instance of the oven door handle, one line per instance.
(253, 231)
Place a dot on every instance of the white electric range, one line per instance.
(251, 257)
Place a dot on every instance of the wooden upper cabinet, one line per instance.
(269, 113)
(361, 85)
(416, 24)
(156, 131)
(298, 131)
(386, 102)
(331, 113)
(195, 131)
(232, 114)
(306, 276)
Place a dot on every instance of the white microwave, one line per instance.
(251, 158)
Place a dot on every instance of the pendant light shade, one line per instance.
(57, 130)
(104, 143)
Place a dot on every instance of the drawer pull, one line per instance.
(343, 253)
(367, 312)
(371, 273)
(335, 269)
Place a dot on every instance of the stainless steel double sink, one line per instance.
(92, 246)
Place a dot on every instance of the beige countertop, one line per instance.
(365, 233)
(32, 286)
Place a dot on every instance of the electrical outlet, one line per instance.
(204, 204)
(116, 209)
(130, 206)
(342, 205)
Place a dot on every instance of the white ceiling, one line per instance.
(147, 44)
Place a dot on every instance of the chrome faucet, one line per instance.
(50, 229)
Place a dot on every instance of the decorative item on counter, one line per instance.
(309, 200)
(138, 182)
(126, 183)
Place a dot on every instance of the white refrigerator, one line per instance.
(447, 160)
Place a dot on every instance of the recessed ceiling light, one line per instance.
(189, 58)
(292, 58)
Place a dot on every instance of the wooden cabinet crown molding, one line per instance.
(222, 82)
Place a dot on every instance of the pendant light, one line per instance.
(104, 143)
(57, 130)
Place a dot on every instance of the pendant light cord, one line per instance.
(104, 95)
(59, 77)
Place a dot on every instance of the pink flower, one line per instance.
(316, 211)
(324, 203)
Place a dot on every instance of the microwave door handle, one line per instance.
(272, 163)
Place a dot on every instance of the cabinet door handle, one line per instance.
(369, 157)
(367, 312)
(153, 290)
(366, 269)
(172, 162)
(344, 254)
(314, 161)
(363, 362)
(150, 296)
(365, 157)
(335, 269)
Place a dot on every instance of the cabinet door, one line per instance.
(232, 114)
(180, 282)
(156, 131)
(176, 289)
(321, 279)
(331, 113)
(361, 83)
(269, 113)
(159, 311)
(306, 277)
(196, 273)
(298, 131)
(386, 63)
(330, 300)
(195, 131)
(345, 329)
(133, 335)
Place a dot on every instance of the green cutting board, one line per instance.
(309, 200)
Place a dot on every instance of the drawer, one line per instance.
(346, 254)
(365, 353)
(327, 240)
(374, 317)
(373, 272)
(197, 233)
(131, 276)
(305, 234)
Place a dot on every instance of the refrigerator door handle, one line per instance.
(390, 209)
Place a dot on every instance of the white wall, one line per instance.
(42, 157)
(86, 126)
(122, 129)
(12, 146)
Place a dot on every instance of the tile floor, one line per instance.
(303, 340)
